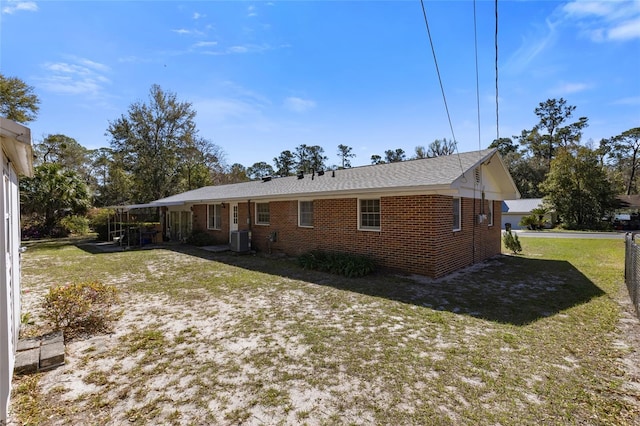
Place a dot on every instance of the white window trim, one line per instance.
(216, 226)
(368, 228)
(235, 214)
(459, 228)
(300, 213)
(263, 223)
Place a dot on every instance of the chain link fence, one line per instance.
(632, 270)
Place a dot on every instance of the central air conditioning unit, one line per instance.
(240, 241)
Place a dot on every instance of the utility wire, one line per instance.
(433, 51)
(475, 36)
(497, 98)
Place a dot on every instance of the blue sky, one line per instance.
(268, 76)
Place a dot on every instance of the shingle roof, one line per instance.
(406, 175)
(523, 205)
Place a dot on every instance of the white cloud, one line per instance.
(251, 11)
(605, 20)
(205, 44)
(569, 88)
(626, 30)
(533, 46)
(181, 31)
(132, 59)
(17, 6)
(198, 15)
(238, 49)
(296, 104)
(635, 100)
(78, 76)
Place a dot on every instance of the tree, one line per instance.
(200, 160)
(505, 146)
(549, 134)
(112, 184)
(285, 163)
(394, 156)
(527, 173)
(18, 102)
(578, 188)
(310, 158)
(625, 148)
(236, 173)
(345, 154)
(420, 152)
(441, 147)
(260, 170)
(376, 159)
(67, 152)
(52, 193)
(151, 139)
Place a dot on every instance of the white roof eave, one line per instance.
(16, 142)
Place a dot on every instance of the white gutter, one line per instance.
(16, 143)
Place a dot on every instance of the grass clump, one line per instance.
(86, 307)
(349, 265)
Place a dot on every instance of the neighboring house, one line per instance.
(428, 216)
(17, 158)
(514, 210)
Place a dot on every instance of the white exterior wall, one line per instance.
(9, 280)
(15, 158)
(512, 218)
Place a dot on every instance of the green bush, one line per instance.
(98, 216)
(200, 239)
(349, 265)
(78, 225)
(511, 242)
(87, 307)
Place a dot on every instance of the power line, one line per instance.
(433, 51)
(475, 37)
(497, 99)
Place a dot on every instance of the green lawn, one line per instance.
(219, 339)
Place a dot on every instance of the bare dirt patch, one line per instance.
(234, 342)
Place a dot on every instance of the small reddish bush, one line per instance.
(87, 307)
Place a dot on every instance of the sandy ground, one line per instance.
(177, 362)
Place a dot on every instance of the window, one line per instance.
(262, 213)
(235, 214)
(456, 214)
(305, 213)
(370, 214)
(214, 216)
(490, 213)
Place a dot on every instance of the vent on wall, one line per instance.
(477, 174)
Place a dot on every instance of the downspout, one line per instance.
(475, 226)
(249, 221)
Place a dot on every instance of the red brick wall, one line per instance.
(200, 223)
(416, 233)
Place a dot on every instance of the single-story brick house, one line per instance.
(16, 158)
(426, 216)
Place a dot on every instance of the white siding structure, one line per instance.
(514, 210)
(16, 158)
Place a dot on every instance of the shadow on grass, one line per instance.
(507, 289)
(57, 243)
